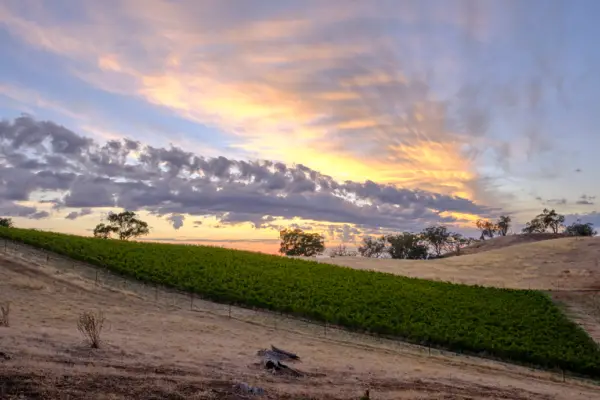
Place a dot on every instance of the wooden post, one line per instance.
(229, 310)
(96, 282)
(155, 292)
(191, 301)
(47, 258)
(325, 328)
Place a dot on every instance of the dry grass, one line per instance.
(567, 263)
(156, 349)
(4, 313)
(90, 326)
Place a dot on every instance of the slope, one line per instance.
(567, 263)
(522, 326)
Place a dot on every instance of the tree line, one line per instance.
(432, 242)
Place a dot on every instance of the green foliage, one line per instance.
(438, 237)
(579, 228)
(295, 242)
(547, 219)
(6, 223)
(372, 247)
(552, 220)
(124, 224)
(518, 325)
(407, 246)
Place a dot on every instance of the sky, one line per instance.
(222, 122)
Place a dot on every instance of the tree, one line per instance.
(487, 228)
(6, 223)
(536, 225)
(372, 247)
(503, 224)
(581, 229)
(552, 220)
(296, 242)
(341, 251)
(407, 246)
(124, 224)
(547, 219)
(438, 237)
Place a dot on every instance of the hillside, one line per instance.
(464, 318)
(566, 263)
(155, 347)
(506, 241)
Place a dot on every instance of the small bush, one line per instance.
(90, 326)
(4, 311)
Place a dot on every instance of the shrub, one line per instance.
(4, 312)
(90, 326)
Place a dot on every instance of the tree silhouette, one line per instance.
(503, 224)
(125, 225)
(6, 223)
(296, 242)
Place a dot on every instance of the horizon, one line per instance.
(222, 123)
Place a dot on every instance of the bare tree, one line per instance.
(341, 251)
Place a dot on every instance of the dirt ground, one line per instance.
(153, 350)
(567, 263)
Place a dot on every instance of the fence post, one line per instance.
(229, 310)
(325, 328)
(155, 292)
(96, 281)
(191, 301)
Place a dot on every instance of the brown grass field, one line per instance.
(567, 263)
(154, 347)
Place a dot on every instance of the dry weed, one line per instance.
(90, 326)
(4, 311)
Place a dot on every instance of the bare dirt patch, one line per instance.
(163, 351)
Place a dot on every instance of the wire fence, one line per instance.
(178, 300)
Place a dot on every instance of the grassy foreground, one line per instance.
(518, 325)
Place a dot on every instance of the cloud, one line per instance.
(342, 90)
(586, 200)
(176, 220)
(76, 214)
(173, 183)
(593, 217)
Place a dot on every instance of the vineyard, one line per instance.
(515, 325)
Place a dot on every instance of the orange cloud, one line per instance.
(340, 105)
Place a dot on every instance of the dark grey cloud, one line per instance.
(586, 200)
(173, 183)
(176, 220)
(557, 202)
(81, 213)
